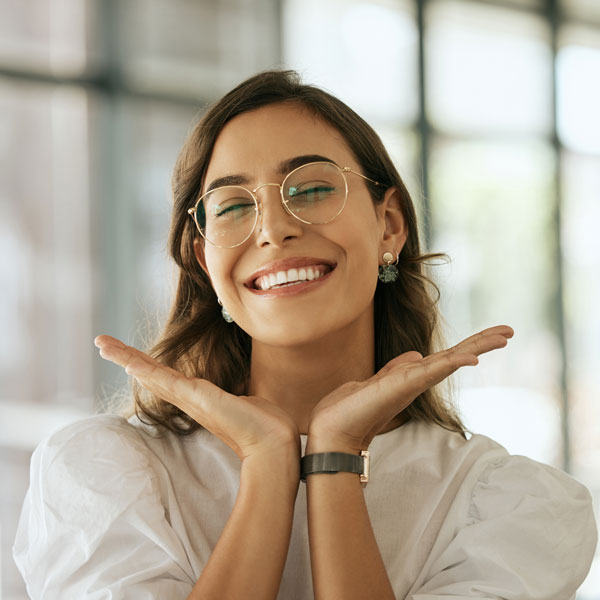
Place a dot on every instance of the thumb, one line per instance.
(405, 357)
(410, 356)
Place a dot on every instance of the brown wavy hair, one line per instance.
(198, 342)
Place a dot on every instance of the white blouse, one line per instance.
(113, 512)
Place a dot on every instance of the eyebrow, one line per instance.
(285, 167)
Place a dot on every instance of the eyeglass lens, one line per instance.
(314, 193)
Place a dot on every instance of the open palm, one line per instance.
(353, 414)
(247, 424)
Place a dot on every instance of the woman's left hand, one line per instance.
(352, 415)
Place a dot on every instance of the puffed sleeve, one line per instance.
(93, 525)
(527, 532)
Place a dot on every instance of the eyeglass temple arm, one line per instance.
(349, 170)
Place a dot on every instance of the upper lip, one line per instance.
(288, 263)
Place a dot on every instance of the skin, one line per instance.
(312, 367)
(301, 360)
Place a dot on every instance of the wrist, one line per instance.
(321, 443)
(278, 469)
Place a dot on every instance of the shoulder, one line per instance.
(94, 505)
(98, 426)
(506, 483)
(546, 503)
(100, 462)
(92, 440)
(547, 510)
(528, 526)
(84, 478)
(485, 467)
(496, 482)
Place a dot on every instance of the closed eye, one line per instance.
(232, 209)
(294, 192)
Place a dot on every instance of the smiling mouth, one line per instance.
(290, 277)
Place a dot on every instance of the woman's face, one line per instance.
(346, 251)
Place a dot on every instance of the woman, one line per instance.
(302, 325)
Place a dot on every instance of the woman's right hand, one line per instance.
(249, 425)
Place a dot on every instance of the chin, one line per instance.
(287, 335)
(300, 329)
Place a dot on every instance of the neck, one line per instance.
(297, 377)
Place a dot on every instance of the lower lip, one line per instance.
(292, 290)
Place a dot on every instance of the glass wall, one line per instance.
(492, 165)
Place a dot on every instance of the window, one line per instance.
(489, 109)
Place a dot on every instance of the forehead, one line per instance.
(254, 143)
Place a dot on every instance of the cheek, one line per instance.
(219, 271)
(365, 262)
(359, 239)
(362, 240)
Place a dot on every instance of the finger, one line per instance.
(479, 343)
(169, 384)
(101, 341)
(401, 359)
(503, 331)
(485, 341)
(440, 365)
(134, 362)
(116, 351)
(419, 376)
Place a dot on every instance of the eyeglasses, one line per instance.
(314, 193)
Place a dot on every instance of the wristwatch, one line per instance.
(334, 462)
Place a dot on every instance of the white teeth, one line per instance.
(288, 277)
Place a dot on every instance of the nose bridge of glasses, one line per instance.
(279, 201)
(262, 185)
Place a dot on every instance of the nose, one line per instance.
(275, 225)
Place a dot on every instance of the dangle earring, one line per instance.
(224, 312)
(388, 272)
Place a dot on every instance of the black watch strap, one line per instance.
(334, 462)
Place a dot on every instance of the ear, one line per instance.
(199, 252)
(394, 229)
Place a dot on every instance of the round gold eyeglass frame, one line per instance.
(258, 206)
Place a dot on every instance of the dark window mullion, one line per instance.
(558, 299)
(424, 129)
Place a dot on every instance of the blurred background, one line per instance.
(489, 108)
